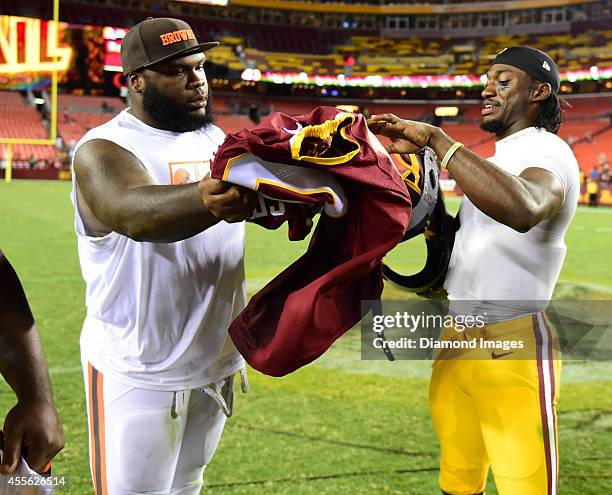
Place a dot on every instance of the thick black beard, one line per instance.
(169, 114)
(495, 126)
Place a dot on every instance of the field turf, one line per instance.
(338, 426)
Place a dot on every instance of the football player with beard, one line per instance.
(495, 408)
(162, 258)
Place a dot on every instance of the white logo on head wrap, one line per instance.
(546, 66)
(294, 132)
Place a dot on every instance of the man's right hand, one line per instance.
(227, 201)
(123, 197)
(407, 136)
(34, 431)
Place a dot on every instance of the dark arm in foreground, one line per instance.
(32, 428)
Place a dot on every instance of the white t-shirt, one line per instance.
(492, 262)
(158, 313)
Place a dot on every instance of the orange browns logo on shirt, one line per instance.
(181, 176)
(187, 172)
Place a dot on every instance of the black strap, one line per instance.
(377, 311)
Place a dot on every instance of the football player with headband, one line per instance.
(490, 408)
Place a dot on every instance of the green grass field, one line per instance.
(338, 426)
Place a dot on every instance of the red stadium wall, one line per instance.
(42, 174)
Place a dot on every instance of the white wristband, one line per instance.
(449, 154)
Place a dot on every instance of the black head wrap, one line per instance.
(533, 61)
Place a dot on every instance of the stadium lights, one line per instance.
(446, 111)
(113, 33)
(251, 75)
(112, 44)
(420, 81)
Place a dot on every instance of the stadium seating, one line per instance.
(19, 119)
(597, 107)
(590, 152)
(586, 124)
(472, 136)
(234, 123)
(94, 104)
(408, 56)
(78, 114)
(297, 48)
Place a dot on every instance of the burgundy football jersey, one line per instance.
(324, 161)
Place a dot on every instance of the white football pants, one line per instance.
(147, 441)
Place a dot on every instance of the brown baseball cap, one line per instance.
(157, 39)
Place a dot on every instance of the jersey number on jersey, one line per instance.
(268, 207)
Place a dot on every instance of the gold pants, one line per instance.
(497, 408)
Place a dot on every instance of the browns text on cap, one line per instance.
(157, 39)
